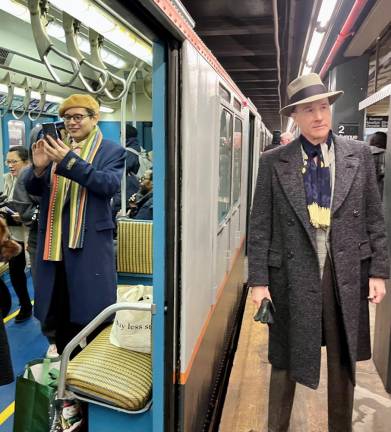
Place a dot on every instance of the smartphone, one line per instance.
(50, 129)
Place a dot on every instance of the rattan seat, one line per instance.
(112, 375)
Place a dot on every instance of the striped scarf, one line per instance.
(317, 183)
(78, 203)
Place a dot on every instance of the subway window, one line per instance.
(225, 164)
(237, 105)
(16, 133)
(224, 93)
(237, 161)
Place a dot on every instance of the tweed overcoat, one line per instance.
(282, 254)
(90, 271)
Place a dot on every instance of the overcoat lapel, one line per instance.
(346, 165)
(291, 178)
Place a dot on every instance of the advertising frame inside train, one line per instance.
(164, 135)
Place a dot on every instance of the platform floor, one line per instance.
(245, 408)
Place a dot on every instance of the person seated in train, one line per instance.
(140, 205)
(76, 179)
(378, 145)
(28, 208)
(319, 265)
(8, 250)
(17, 160)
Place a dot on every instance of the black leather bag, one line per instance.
(265, 312)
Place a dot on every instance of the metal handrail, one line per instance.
(42, 91)
(44, 44)
(26, 100)
(80, 337)
(71, 26)
(10, 95)
(95, 44)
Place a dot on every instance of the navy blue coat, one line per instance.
(91, 272)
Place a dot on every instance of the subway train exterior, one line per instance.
(205, 138)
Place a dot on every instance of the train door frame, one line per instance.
(166, 144)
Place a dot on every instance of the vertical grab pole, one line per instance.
(124, 100)
(134, 104)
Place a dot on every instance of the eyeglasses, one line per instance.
(12, 162)
(77, 118)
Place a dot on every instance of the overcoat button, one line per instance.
(290, 255)
(291, 222)
(356, 213)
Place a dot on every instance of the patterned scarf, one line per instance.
(78, 203)
(317, 183)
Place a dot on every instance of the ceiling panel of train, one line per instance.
(111, 52)
(241, 35)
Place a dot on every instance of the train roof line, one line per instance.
(176, 18)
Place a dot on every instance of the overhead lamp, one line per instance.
(18, 91)
(313, 50)
(105, 109)
(95, 18)
(16, 9)
(56, 31)
(307, 69)
(326, 11)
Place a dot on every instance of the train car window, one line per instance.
(224, 93)
(225, 164)
(16, 133)
(237, 160)
(237, 105)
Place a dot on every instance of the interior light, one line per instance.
(16, 9)
(313, 50)
(56, 31)
(105, 109)
(306, 70)
(326, 11)
(18, 91)
(95, 18)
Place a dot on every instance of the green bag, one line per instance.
(35, 390)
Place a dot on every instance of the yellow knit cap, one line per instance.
(79, 101)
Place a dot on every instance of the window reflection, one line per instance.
(225, 164)
(16, 133)
(237, 161)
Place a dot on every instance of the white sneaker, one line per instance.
(52, 351)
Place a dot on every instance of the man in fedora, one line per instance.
(317, 248)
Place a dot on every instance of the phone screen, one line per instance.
(50, 129)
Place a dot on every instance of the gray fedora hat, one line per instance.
(305, 89)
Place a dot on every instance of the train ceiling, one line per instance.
(241, 35)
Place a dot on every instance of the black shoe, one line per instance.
(23, 315)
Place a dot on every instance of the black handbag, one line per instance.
(265, 312)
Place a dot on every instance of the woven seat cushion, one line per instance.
(110, 374)
(134, 253)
